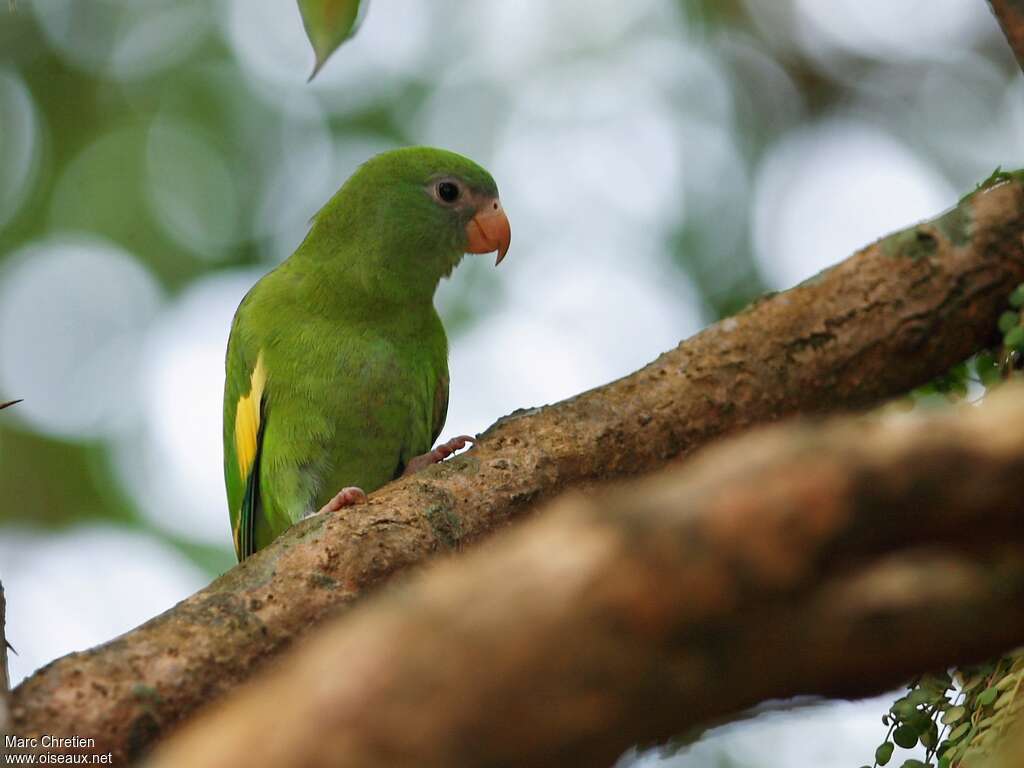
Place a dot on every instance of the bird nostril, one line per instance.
(495, 206)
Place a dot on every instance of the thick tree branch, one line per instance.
(886, 319)
(1010, 14)
(800, 560)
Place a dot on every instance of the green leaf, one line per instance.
(884, 753)
(1006, 698)
(1008, 321)
(903, 708)
(973, 682)
(953, 715)
(1017, 297)
(905, 736)
(988, 369)
(959, 731)
(986, 697)
(328, 24)
(922, 695)
(985, 733)
(938, 682)
(919, 721)
(930, 736)
(912, 763)
(1015, 338)
(1008, 681)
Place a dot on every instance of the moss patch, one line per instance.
(321, 581)
(998, 176)
(956, 225)
(446, 525)
(146, 694)
(463, 465)
(913, 243)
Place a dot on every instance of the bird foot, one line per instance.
(346, 497)
(439, 454)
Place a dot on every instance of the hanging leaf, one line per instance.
(905, 736)
(959, 731)
(884, 753)
(328, 24)
(953, 715)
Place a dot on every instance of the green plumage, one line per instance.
(354, 353)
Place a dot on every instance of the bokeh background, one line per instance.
(662, 162)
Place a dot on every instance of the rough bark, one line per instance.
(836, 560)
(888, 318)
(1010, 14)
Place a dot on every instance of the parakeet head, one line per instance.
(406, 217)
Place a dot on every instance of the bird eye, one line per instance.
(448, 191)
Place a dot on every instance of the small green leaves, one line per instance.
(953, 715)
(1015, 338)
(905, 736)
(328, 24)
(903, 708)
(959, 731)
(998, 177)
(936, 683)
(1010, 681)
(989, 371)
(929, 737)
(914, 719)
(1008, 321)
(1005, 698)
(973, 682)
(1017, 297)
(987, 697)
(884, 753)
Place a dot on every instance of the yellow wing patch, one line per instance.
(247, 419)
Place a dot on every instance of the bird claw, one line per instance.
(439, 454)
(346, 497)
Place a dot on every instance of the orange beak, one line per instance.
(489, 230)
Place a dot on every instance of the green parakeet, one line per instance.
(337, 364)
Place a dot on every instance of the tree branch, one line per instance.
(890, 317)
(801, 560)
(1010, 14)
